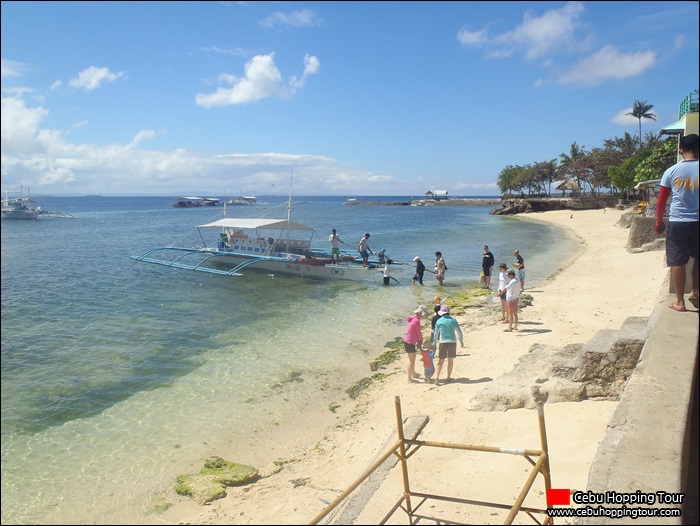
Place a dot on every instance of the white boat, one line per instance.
(269, 245)
(243, 200)
(15, 205)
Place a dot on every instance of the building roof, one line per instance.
(567, 184)
(673, 129)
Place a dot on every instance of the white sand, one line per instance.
(598, 289)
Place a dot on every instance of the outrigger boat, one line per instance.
(22, 207)
(270, 245)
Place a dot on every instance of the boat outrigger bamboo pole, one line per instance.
(540, 399)
(402, 456)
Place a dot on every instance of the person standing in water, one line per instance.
(440, 267)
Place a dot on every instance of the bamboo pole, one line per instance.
(402, 453)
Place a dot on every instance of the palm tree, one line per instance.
(641, 110)
(574, 167)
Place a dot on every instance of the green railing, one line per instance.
(689, 105)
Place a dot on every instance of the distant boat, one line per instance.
(243, 200)
(193, 202)
(350, 200)
(15, 205)
(19, 206)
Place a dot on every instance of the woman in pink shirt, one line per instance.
(414, 335)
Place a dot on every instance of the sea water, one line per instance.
(119, 375)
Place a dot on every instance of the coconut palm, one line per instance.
(574, 166)
(641, 110)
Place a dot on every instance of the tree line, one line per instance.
(614, 168)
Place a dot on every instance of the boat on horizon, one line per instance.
(244, 200)
(194, 202)
(269, 245)
(23, 207)
(16, 205)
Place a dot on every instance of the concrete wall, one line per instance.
(651, 442)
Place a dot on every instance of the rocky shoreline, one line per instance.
(431, 202)
(510, 206)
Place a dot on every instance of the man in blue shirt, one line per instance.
(680, 181)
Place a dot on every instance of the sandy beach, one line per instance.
(598, 289)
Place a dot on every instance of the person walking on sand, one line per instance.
(680, 181)
(502, 280)
(520, 265)
(440, 267)
(413, 336)
(487, 263)
(364, 250)
(445, 338)
(512, 294)
(420, 270)
(335, 241)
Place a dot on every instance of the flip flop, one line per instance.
(673, 306)
(695, 301)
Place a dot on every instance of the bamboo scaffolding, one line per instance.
(404, 448)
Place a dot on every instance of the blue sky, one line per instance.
(351, 98)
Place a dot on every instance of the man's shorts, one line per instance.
(335, 250)
(364, 254)
(512, 305)
(521, 274)
(447, 350)
(681, 242)
(410, 348)
(487, 272)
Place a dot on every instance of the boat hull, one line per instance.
(307, 268)
(21, 214)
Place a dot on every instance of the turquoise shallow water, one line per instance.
(117, 375)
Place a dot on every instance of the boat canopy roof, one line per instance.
(272, 224)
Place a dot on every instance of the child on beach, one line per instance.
(427, 351)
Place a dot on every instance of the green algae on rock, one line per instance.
(210, 483)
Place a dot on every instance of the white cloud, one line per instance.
(609, 63)
(555, 31)
(12, 68)
(91, 78)
(549, 33)
(625, 120)
(19, 123)
(239, 52)
(301, 18)
(142, 135)
(311, 67)
(471, 38)
(261, 80)
(46, 160)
